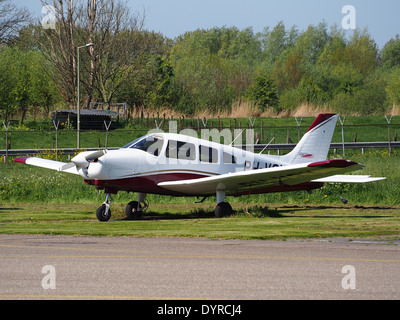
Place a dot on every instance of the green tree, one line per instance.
(391, 53)
(263, 92)
(276, 41)
(7, 81)
(42, 90)
(393, 86)
(213, 67)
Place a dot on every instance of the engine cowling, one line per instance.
(83, 159)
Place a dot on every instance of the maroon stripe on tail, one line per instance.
(321, 118)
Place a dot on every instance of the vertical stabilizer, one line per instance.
(314, 145)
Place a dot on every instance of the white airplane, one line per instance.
(181, 165)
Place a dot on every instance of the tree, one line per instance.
(391, 53)
(7, 80)
(59, 48)
(311, 43)
(150, 81)
(289, 69)
(11, 19)
(393, 86)
(106, 23)
(22, 73)
(276, 41)
(362, 52)
(214, 67)
(42, 90)
(263, 92)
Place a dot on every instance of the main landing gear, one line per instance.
(223, 209)
(133, 210)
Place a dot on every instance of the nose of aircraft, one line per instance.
(98, 170)
(91, 164)
(83, 159)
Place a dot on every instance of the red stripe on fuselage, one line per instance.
(148, 184)
(145, 184)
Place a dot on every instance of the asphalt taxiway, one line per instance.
(75, 267)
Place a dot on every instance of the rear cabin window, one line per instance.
(180, 150)
(229, 158)
(208, 154)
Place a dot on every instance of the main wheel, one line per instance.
(223, 209)
(101, 213)
(133, 210)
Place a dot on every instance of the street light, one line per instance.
(78, 116)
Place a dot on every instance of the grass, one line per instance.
(277, 222)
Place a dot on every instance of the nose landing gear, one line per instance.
(103, 213)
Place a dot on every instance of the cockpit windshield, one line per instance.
(151, 144)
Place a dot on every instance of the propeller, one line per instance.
(83, 159)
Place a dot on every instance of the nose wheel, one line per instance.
(103, 213)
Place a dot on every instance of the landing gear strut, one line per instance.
(103, 213)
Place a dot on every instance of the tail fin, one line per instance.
(314, 145)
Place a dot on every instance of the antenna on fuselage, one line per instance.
(237, 137)
(273, 138)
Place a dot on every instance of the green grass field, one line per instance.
(274, 223)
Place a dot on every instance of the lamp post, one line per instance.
(78, 116)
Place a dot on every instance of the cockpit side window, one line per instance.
(131, 143)
(150, 144)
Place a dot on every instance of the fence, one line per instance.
(28, 142)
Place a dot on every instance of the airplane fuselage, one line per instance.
(171, 157)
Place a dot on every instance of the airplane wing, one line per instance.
(49, 164)
(242, 181)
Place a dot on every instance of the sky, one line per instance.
(175, 17)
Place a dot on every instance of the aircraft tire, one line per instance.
(223, 209)
(132, 212)
(101, 213)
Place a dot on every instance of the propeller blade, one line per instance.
(67, 166)
(83, 159)
(95, 155)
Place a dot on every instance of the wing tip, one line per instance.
(21, 159)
